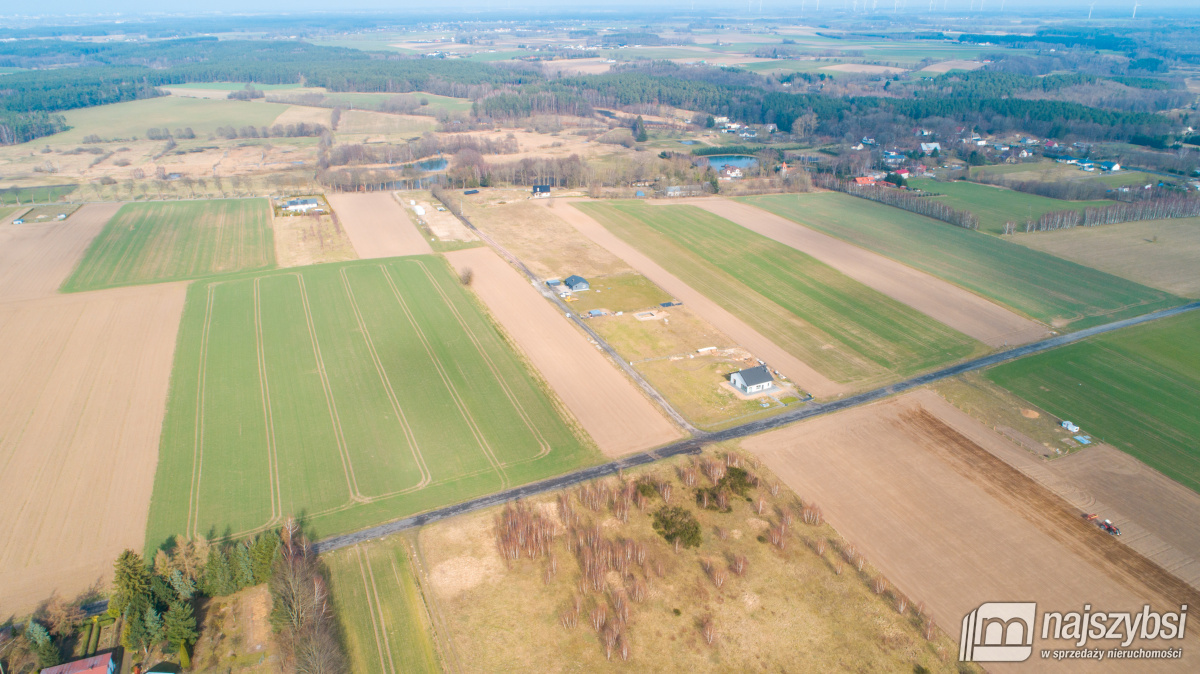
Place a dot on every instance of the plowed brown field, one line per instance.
(608, 406)
(911, 482)
(35, 258)
(960, 309)
(377, 225)
(797, 370)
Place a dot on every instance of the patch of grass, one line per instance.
(620, 292)
(132, 119)
(1008, 414)
(693, 386)
(845, 330)
(172, 241)
(29, 195)
(997, 205)
(1137, 389)
(1039, 285)
(347, 394)
(379, 604)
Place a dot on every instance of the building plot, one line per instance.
(915, 485)
(36, 257)
(174, 241)
(346, 394)
(942, 301)
(85, 384)
(848, 332)
(377, 225)
(609, 406)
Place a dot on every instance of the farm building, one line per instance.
(683, 191)
(301, 205)
(97, 664)
(1110, 166)
(752, 380)
(576, 283)
(541, 191)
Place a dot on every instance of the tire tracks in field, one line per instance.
(409, 436)
(374, 609)
(268, 415)
(330, 402)
(512, 398)
(477, 432)
(198, 432)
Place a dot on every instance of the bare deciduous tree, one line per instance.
(812, 515)
(708, 629)
(740, 565)
(879, 584)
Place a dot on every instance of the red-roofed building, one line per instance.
(97, 664)
(864, 181)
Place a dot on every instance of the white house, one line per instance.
(752, 380)
(301, 205)
(930, 147)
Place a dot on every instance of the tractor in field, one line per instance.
(1106, 525)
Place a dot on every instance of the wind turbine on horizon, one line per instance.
(1090, 8)
(1135, 6)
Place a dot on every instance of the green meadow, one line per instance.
(997, 205)
(1137, 389)
(1039, 285)
(845, 330)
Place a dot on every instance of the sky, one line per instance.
(769, 7)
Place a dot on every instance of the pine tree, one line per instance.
(130, 581)
(36, 633)
(242, 566)
(154, 626)
(185, 588)
(179, 625)
(639, 130)
(218, 577)
(48, 654)
(263, 553)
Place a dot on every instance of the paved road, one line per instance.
(694, 445)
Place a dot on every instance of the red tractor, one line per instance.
(1106, 525)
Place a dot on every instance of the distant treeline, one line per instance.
(1091, 40)
(1072, 190)
(1155, 209)
(22, 127)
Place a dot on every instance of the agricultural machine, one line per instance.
(1106, 525)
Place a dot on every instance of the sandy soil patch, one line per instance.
(608, 406)
(945, 302)
(914, 484)
(377, 226)
(441, 224)
(864, 68)
(301, 114)
(35, 258)
(1159, 253)
(947, 66)
(809, 379)
(302, 240)
(537, 235)
(81, 412)
(1030, 414)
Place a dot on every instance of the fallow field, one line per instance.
(345, 394)
(998, 205)
(1044, 287)
(843, 329)
(173, 241)
(383, 617)
(1137, 389)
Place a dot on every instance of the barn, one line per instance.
(752, 380)
(576, 283)
(541, 191)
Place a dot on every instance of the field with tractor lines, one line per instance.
(378, 602)
(174, 241)
(1044, 287)
(1136, 389)
(843, 329)
(347, 395)
(997, 205)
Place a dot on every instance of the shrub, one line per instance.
(677, 525)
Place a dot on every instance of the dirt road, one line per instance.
(608, 406)
(85, 385)
(377, 225)
(35, 258)
(912, 483)
(761, 346)
(942, 301)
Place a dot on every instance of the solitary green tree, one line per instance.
(639, 130)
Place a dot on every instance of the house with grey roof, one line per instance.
(752, 380)
(576, 283)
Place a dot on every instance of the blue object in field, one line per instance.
(471, 192)
(596, 312)
(639, 193)
(1084, 439)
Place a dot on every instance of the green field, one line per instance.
(378, 602)
(31, 195)
(373, 101)
(1044, 287)
(132, 119)
(233, 86)
(997, 205)
(1137, 389)
(176, 240)
(845, 330)
(348, 395)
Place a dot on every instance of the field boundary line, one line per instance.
(367, 592)
(426, 475)
(383, 625)
(265, 390)
(480, 439)
(330, 402)
(512, 398)
(198, 431)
